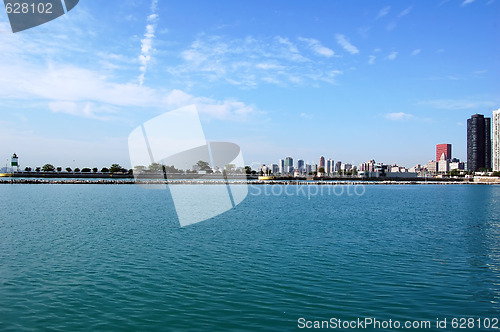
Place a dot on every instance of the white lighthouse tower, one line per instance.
(15, 163)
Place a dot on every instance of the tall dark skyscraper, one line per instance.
(478, 142)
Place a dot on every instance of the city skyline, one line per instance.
(353, 81)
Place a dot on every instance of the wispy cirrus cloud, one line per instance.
(346, 45)
(405, 12)
(398, 116)
(147, 41)
(317, 47)
(249, 62)
(383, 12)
(392, 56)
(371, 59)
(467, 2)
(416, 51)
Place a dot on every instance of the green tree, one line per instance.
(68, 169)
(496, 173)
(203, 165)
(248, 170)
(95, 170)
(115, 168)
(171, 169)
(139, 169)
(155, 167)
(321, 170)
(27, 169)
(104, 170)
(38, 169)
(77, 170)
(48, 168)
(86, 170)
(59, 169)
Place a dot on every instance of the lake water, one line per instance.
(113, 257)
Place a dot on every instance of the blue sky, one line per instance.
(350, 80)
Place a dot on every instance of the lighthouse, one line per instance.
(15, 163)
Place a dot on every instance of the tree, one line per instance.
(203, 165)
(171, 169)
(59, 169)
(37, 170)
(27, 169)
(248, 170)
(139, 169)
(48, 168)
(321, 170)
(68, 169)
(496, 173)
(95, 170)
(104, 170)
(77, 170)
(229, 168)
(115, 168)
(86, 170)
(155, 167)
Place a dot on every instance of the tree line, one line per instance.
(114, 168)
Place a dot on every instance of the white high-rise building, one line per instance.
(496, 140)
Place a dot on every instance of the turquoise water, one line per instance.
(112, 257)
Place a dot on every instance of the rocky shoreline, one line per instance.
(239, 182)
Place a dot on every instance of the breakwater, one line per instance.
(222, 182)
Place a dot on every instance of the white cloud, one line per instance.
(220, 59)
(466, 2)
(392, 56)
(344, 42)
(225, 109)
(85, 109)
(306, 115)
(268, 66)
(371, 59)
(399, 116)
(416, 51)
(317, 47)
(405, 12)
(147, 41)
(383, 12)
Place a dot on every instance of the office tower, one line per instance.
(281, 166)
(300, 165)
(478, 142)
(275, 168)
(337, 166)
(443, 165)
(443, 148)
(321, 162)
(496, 140)
(288, 165)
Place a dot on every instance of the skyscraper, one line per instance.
(288, 165)
(300, 165)
(496, 140)
(281, 166)
(321, 162)
(443, 148)
(478, 142)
